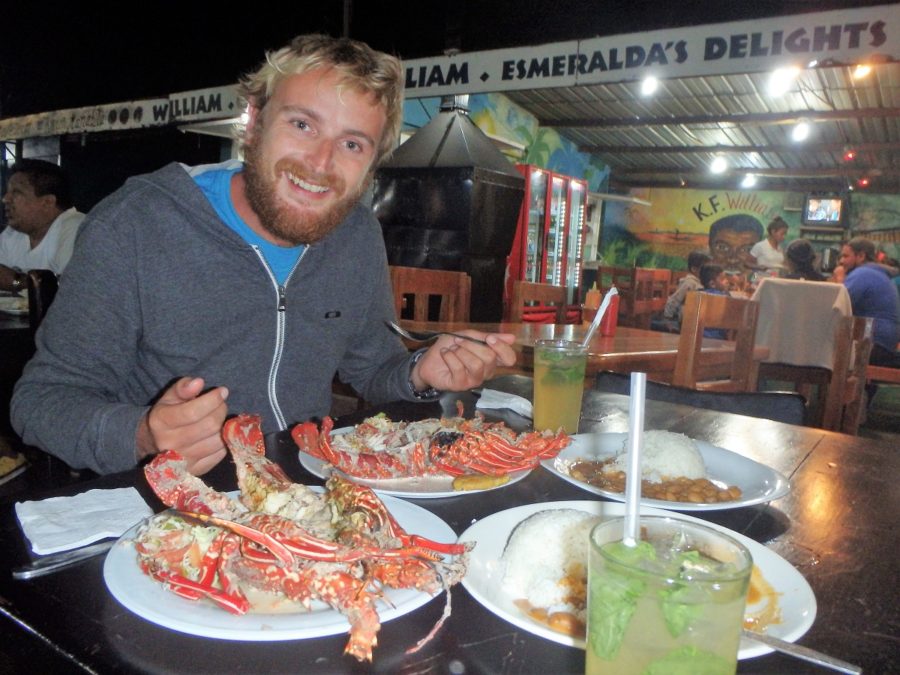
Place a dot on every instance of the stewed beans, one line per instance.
(694, 490)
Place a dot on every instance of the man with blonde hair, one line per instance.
(248, 282)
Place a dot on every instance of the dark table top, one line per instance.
(836, 526)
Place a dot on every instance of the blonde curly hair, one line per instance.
(359, 66)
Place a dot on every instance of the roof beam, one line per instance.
(724, 118)
(805, 148)
(841, 171)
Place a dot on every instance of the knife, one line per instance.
(54, 562)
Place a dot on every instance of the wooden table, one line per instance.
(631, 349)
(836, 526)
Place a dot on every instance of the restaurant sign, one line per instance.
(188, 106)
(836, 37)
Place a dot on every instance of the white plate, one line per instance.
(14, 305)
(485, 574)
(148, 599)
(758, 483)
(414, 487)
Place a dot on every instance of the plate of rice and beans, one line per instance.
(529, 564)
(677, 472)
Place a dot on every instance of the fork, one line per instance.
(427, 335)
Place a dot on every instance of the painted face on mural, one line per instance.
(731, 249)
(730, 241)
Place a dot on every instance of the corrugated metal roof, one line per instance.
(669, 139)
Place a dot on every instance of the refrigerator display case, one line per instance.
(549, 243)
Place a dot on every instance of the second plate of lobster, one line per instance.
(433, 486)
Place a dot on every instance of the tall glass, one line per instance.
(558, 384)
(673, 603)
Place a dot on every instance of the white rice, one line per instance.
(541, 550)
(665, 455)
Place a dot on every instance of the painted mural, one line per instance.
(677, 222)
(877, 217)
(725, 222)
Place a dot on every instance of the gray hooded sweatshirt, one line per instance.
(159, 288)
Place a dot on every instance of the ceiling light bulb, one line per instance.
(861, 71)
(649, 85)
(813, 63)
(749, 181)
(781, 80)
(718, 165)
(849, 155)
(800, 132)
(863, 182)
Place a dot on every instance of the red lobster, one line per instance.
(453, 446)
(282, 540)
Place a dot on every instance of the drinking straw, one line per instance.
(598, 317)
(631, 536)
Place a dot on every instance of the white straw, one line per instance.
(598, 317)
(631, 536)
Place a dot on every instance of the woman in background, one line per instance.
(767, 254)
(799, 259)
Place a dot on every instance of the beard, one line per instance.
(279, 218)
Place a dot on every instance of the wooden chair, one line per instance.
(42, 287)
(650, 290)
(431, 295)
(852, 390)
(840, 398)
(537, 303)
(885, 374)
(735, 315)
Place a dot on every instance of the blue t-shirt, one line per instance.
(872, 294)
(216, 185)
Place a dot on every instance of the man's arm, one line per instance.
(70, 399)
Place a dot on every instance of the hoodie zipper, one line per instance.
(280, 321)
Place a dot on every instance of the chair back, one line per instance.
(431, 295)
(650, 290)
(736, 316)
(780, 406)
(846, 391)
(42, 287)
(538, 303)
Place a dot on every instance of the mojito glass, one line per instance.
(672, 604)
(558, 384)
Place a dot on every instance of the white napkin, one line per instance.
(491, 398)
(62, 523)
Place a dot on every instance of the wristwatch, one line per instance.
(428, 394)
(18, 282)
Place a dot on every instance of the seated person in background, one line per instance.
(799, 260)
(240, 287)
(873, 294)
(41, 222)
(690, 282)
(767, 254)
(715, 281)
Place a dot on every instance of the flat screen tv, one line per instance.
(824, 210)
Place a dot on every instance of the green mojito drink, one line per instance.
(558, 384)
(673, 604)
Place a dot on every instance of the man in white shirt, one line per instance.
(41, 222)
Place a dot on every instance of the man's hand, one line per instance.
(7, 274)
(453, 364)
(187, 422)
